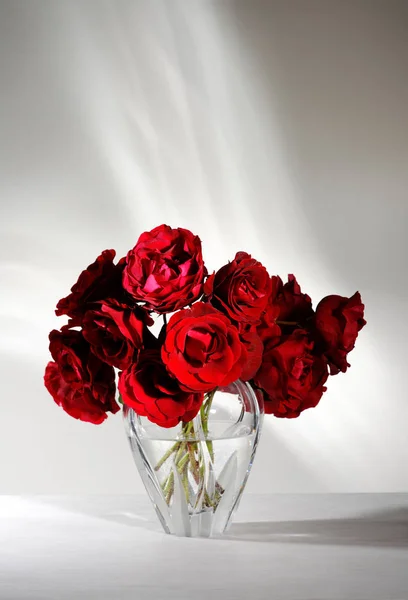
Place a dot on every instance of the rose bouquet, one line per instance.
(237, 324)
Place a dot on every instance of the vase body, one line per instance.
(195, 473)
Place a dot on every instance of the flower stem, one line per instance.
(169, 488)
(188, 456)
(163, 459)
(205, 413)
(181, 464)
(194, 465)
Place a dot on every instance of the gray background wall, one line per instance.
(276, 127)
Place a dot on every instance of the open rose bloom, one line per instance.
(236, 323)
(238, 326)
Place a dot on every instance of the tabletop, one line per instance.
(289, 547)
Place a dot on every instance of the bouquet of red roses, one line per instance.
(237, 323)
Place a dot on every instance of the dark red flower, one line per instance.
(338, 321)
(85, 403)
(100, 280)
(115, 331)
(254, 347)
(152, 392)
(269, 331)
(288, 303)
(291, 376)
(202, 349)
(70, 351)
(240, 289)
(165, 269)
(78, 381)
(288, 307)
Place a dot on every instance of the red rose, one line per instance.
(202, 349)
(78, 381)
(268, 331)
(288, 302)
(70, 351)
(115, 332)
(268, 318)
(101, 280)
(77, 374)
(240, 289)
(152, 392)
(165, 269)
(85, 403)
(291, 377)
(254, 347)
(338, 321)
(286, 306)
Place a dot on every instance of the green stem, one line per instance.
(188, 456)
(181, 464)
(204, 414)
(178, 449)
(194, 464)
(163, 459)
(169, 488)
(207, 499)
(180, 452)
(184, 480)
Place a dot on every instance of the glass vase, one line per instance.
(195, 473)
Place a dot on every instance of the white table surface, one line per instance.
(291, 547)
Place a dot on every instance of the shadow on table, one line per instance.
(123, 510)
(386, 528)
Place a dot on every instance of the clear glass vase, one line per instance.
(195, 473)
